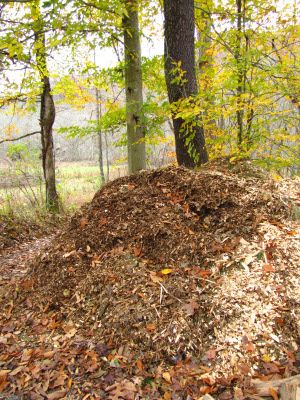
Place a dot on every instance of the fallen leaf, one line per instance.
(211, 354)
(155, 278)
(167, 377)
(244, 369)
(140, 365)
(137, 251)
(266, 358)
(83, 222)
(190, 307)
(273, 393)
(57, 395)
(250, 347)
(167, 396)
(102, 222)
(268, 268)
(150, 327)
(290, 355)
(166, 271)
(49, 354)
(4, 372)
(238, 394)
(28, 303)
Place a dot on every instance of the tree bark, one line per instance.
(205, 62)
(47, 113)
(134, 90)
(47, 119)
(99, 134)
(179, 46)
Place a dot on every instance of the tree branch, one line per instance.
(18, 138)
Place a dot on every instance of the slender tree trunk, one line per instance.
(134, 89)
(47, 113)
(240, 75)
(99, 134)
(47, 119)
(179, 46)
(205, 61)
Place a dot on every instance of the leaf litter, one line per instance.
(169, 284)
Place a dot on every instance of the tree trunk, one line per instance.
(47, 119)
(47, 114)
(134, 90)
(240, 76)
(179, 47)
(99, 134)
(205, 62)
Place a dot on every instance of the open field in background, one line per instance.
(78, 181)
(22, 213)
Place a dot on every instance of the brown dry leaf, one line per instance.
(71, 333)
(211, 354)
(49, 354)
(57, 395)
(137, 251)
(83, 222)
(140, 365)
(290, 355)
(190, 307)
(150, 327)
(155, 277)
(227, 395)
(245, 370)
(268, 268)
(250, 347)
(124, 389)
(4, 372)
(238, 394)
(28, 303)
(280, 321)
(102, 221)
(130, 186)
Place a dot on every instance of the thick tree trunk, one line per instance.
(179, 46)
(134, 90)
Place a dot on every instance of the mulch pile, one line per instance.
(174, 266)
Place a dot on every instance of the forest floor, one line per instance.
(169, 284)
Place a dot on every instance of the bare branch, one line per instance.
(20, 137)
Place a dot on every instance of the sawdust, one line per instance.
(174, 263)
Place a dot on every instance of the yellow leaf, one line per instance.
(266, 358)
(70, 383)
(167, 396)
(166, 271)
(167, 377)
(273, 393)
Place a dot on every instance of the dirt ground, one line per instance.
(169, 284)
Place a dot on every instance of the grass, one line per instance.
(22, 209)
(77, 182)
